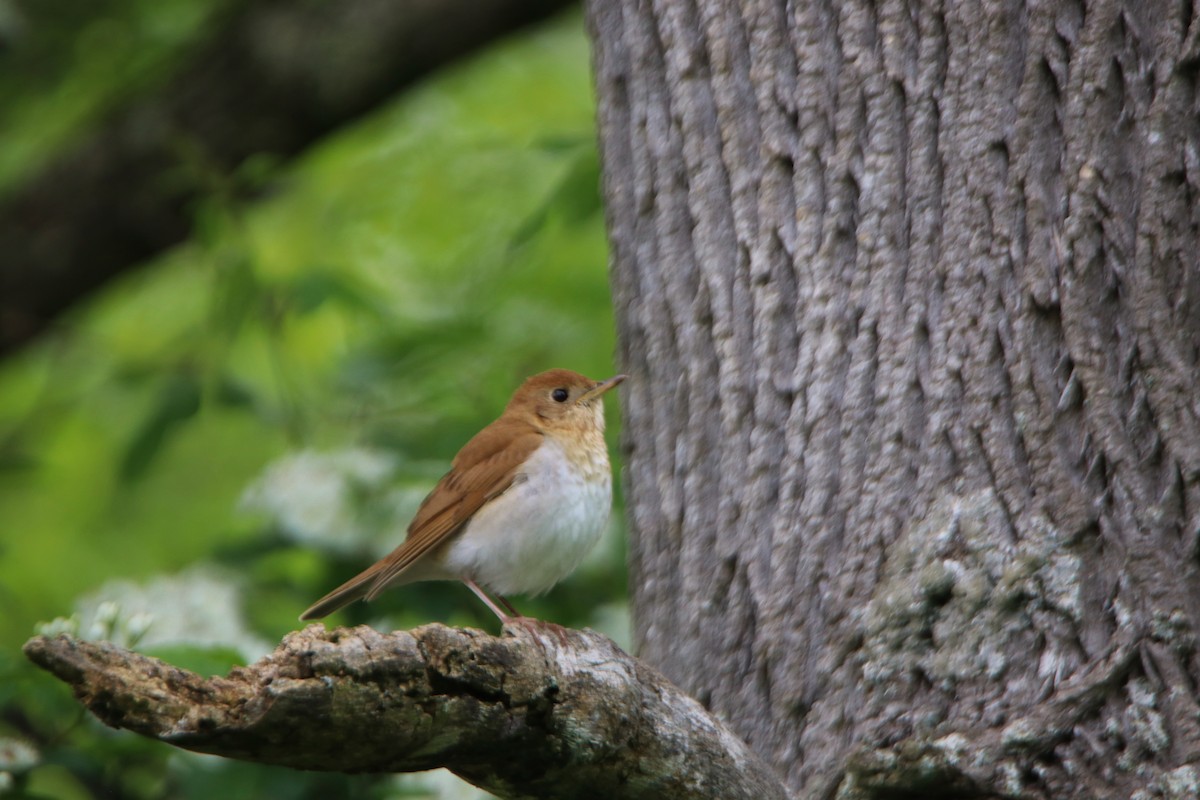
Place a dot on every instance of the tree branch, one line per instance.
(538, 712)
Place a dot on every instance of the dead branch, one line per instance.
(538, 712)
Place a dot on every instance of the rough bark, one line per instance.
(909, 294)
(276, 77)
(542, 712)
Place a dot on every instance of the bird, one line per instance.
(524, 501)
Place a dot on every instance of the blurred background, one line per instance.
(232, 391)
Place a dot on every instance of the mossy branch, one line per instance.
(538, 712)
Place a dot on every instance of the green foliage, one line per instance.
(216, 441)
(64, 63)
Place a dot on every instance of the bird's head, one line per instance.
(560, 400)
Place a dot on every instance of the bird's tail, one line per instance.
(394, 568)
(344, 595)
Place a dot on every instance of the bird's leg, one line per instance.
(560, 633)
(504, 601)
(487, 601)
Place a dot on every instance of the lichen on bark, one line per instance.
(540, 712)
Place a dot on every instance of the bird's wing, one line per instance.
(484, 469)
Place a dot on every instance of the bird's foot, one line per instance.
(541, 627)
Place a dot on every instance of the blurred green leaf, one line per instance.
(54, 782)
(177, 402)
(67, 62)
(308, 292)
(206, 661)
(577, 197)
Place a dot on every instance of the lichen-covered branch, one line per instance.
(539, 712)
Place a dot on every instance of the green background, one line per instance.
(219, 438)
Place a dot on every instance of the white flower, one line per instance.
(329, 500)
(200, 607)
(439, 783)
(59, 625)
(17, 755)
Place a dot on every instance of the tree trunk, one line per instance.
(910, 298)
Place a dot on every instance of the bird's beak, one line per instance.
(600, 388)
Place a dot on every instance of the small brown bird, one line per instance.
(523, 503)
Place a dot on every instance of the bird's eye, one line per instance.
(560, 395)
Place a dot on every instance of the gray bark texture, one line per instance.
(541, 712)
(909, 294)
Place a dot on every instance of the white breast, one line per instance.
(537, 532)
